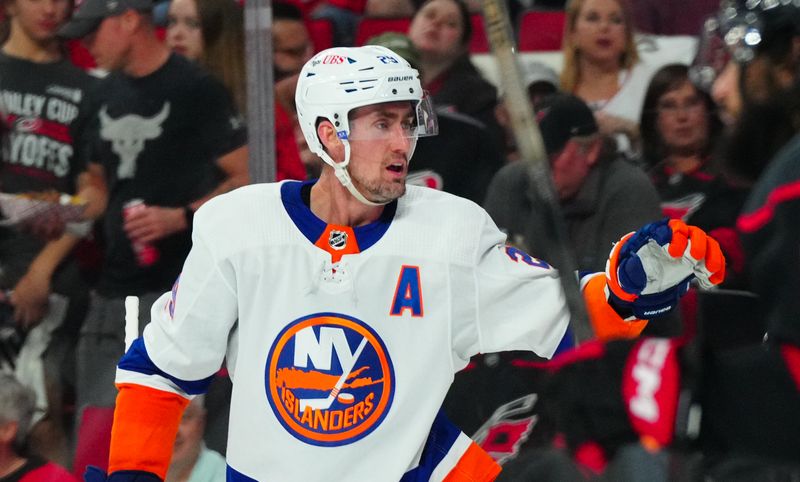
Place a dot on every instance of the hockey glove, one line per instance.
(649, 270)
(94, 474)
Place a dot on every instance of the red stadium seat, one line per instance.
(479, 43)
(94, 438)
(541, 30)
(321, 32)
(368, 27)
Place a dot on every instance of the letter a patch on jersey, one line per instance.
(329, 379)
(408, 294)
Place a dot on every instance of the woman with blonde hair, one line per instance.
(602, 67)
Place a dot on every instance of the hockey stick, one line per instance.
(325, 403)
(531, 148)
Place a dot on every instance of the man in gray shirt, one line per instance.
(602, 196)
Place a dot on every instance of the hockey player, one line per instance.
(344, 305)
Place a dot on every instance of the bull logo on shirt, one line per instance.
(128, 134)
(329, 379)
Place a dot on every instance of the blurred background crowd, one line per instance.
(144, 118)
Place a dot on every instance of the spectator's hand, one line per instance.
(649, 270)
(30, 298)
(48, 226)
(152, 223)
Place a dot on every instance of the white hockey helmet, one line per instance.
(338, 80)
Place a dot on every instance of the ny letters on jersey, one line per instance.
(322, 390)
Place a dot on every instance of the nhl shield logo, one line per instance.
(329, 379)
(337, 240)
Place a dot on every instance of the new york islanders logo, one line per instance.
(329, 379)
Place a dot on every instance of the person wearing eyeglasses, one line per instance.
(680, 130)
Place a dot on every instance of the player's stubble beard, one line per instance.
(377, 189)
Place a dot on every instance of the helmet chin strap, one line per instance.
(340, 169)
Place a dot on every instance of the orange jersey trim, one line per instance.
(145, 424)
(613, 265)
(474, 466)
(606, 322)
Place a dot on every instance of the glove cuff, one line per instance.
(133, 476)
(95, 474)
(646, 307)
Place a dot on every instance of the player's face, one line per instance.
(38, 19)
(184, 33)
(291, 47)
(726, 93)
(571, 166)
(600, 32)
(379, 149)
(761, 79)
(436, 30)
(683, 119)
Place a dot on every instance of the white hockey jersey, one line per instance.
(341, 343)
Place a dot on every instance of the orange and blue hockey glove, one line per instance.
(649, 270)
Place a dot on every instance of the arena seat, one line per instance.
(540, 30)
(368, 27)
(321, 32)
(94, 438)
(479, 43)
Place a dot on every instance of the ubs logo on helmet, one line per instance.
(329, 379)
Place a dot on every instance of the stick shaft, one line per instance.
(532, 152)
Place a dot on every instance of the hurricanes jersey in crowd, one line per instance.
(341, 342)
(43, 112)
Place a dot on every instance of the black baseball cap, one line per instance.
(562, 117)
(90, 13)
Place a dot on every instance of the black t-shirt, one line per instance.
(43, 112)
(158, 138)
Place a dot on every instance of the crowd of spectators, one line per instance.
(163, 130)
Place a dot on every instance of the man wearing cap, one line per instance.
(540, 80)
(602, 196)
(166, 137)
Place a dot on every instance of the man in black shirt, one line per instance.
(167, 138)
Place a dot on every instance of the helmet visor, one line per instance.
(411, 119)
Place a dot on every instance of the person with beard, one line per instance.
(291, 43)
(332, 300)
